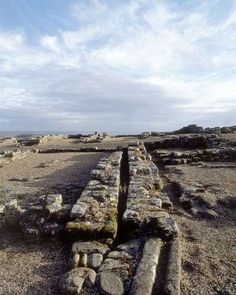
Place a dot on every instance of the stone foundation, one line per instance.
(117, 227)
(95, 213)
(206, 155)
(144, 212)
(188, 142)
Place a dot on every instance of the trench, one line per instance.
(169, 188)
(161, 269)
(123, 195)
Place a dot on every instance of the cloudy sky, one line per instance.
(117, 65)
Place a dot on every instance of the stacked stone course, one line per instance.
(144, 211)
(207, 155)
(95, 213)
(188, 142)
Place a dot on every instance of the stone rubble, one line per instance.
(13, 154)
(89, 138)
(121, 261)
(114, 268)
(29, 141)
(48, 218)
(73, 281)
(194, 129)
(10, 214)
(196, 199)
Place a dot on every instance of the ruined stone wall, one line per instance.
(104, 262)
(144, 211)
(119, 227)
(207, 155)
(95, 213)
(188, 142)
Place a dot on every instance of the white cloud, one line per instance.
(165, 58)
(51, 43)
(10, 41)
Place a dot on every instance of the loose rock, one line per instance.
(110, 284)
(72, 282)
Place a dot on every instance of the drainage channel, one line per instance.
(169, 188)
(123, 195)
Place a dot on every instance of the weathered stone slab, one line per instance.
(144, 278)
(95, 213)
(89, 247)
(95, 260)
(110, 284)
(173, 271)
(52, 202)
(72, 282)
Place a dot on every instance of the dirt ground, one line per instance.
(31, 268)
(36, 174)
(63, 142)
(34, 268)
(208, 245)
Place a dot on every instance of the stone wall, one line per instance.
(119, 227)
(126, 263)
(144, 212)
(188, 142)
(207, 155)
(30, 141)
(95, 213)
